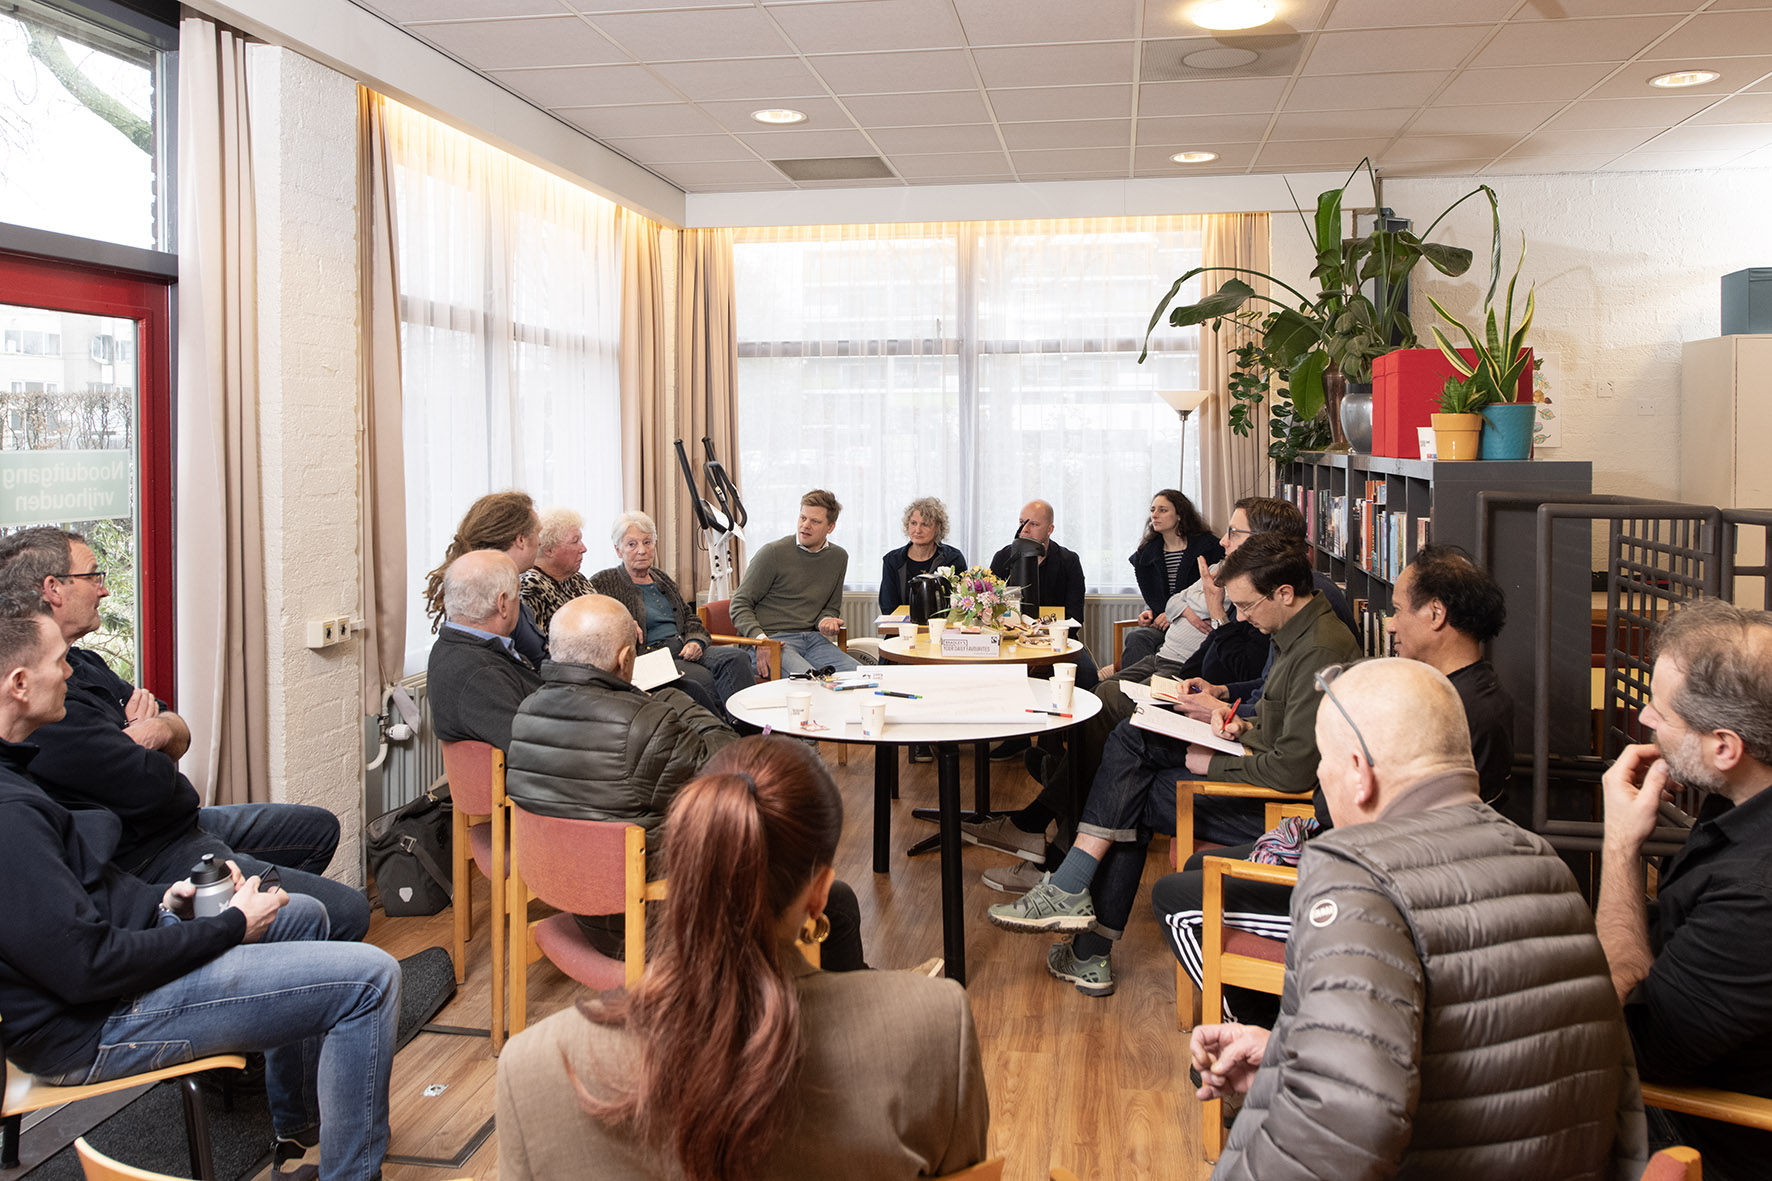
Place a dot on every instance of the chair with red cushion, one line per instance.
(476, 775)
(1674, 1164)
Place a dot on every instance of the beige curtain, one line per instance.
(222, 661)
(381, 461)
(1232, 466)
(648, 464)
(707, 384)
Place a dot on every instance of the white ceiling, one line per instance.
(975, 91)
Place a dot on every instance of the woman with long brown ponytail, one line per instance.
(733, 1058)
(504, 521)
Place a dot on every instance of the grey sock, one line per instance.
(1076, 872)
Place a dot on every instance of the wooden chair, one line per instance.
(577, 867)
(41, 1095)
(717, 618)
(1279, 805)
(984, 1170)
(1731, 1107)
(1678, 1163)
(476, 774)
(99, 1167)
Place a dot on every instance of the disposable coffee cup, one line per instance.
(937, 625)
(799, 707)
(908, 631)
(1064, 674)
(1061, 637)
(873, 719)
(1062, 692)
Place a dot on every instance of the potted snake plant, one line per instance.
(1497, 367)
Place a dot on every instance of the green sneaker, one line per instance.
(1046, 908)
(1093, 977)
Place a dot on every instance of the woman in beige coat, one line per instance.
(733, 1058)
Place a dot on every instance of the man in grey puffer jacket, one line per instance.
(590, 746)
(1447, 1010)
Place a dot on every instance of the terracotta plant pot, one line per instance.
(1456, 435)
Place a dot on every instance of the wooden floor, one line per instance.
(1098, 1086)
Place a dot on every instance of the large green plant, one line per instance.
(1341, 328)
(1501, 353)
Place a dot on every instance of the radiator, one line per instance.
(860, 609)
(411, 766)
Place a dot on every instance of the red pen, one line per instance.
(1233, 714)
(1051, 713)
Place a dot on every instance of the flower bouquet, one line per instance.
(976, 597)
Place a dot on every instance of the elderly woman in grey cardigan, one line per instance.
(710, 674)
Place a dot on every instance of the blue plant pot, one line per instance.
(1507, 430)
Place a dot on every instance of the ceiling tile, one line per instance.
(657, 119)
(1062, 102)
(1434, 167)
(917, 110)
(735, 172)
(406, 11)
(756, 187)
(1647, 161)
(1082, 133)
(1744, 108)
(1056, 65)
(681, 149)
(1740, 138)
(1180, 134)
(1566, 9)
(968, 164)
(1418, 149)
(877, 24)
(1733, 74)
(1514, 119)
(1021, 22)
(808, 145)
(499, 45)
(770, 78)
(1716, 34)
(1386, 50)
(586, 86)
(822, 113)
(895, 73)
(1512, 84)
(1388, 14)
(1533, 164)
(1088, 159)
(1079, 174)
(1170, 19)
(964, 137)
(1614, 140)
(594, 6)
(865, 183)
(1406, 89)
(1230, 157)
(1655, 112)
(1384, 122)
(1561, 42)
(1322, 153)
(1232, 96)
(674, 36)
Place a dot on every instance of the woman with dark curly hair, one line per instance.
(733, 1057)
(504, 521)
(1166, 562)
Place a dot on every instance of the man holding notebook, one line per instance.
(1269, 581)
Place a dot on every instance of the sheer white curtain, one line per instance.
(984, 363)
(510, 298)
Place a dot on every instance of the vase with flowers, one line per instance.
(976, 597)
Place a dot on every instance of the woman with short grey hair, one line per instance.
(709, 674)
(555, 579)
(926, 524)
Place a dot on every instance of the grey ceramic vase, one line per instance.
(1356, 417)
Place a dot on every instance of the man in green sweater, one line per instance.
(793, 592)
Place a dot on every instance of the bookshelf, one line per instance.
(1362, 544)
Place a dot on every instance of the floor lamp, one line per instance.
(1184, 403)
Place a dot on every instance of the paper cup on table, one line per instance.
(908, 632)
(873, 719)
(1061, 637)
(1064, 674)
(937, 625)
(1063, 691)
(799, 707)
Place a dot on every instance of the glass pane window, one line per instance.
(83, 119)
(69, 448)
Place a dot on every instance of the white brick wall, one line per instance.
(305, 176)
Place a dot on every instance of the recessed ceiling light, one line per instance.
(1194, 157)
(1233, 14)
(779, 115)
(1685, 78)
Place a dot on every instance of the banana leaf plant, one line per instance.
(1340, 329)
(1501, 353)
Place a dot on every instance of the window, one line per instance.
(510, 314)
(984, 363)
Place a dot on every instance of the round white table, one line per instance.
(943, 720)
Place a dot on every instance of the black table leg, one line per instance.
(885, 791)
(953, 918)
(981, 798)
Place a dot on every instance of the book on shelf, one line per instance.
(1375, 638)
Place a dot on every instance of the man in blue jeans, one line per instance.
(117, 749)
(793, 592)
(103, 975)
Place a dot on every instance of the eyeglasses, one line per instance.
(1232, 532)
(1323, 678)
(95, 574)
(642, 543)
(1243, 609)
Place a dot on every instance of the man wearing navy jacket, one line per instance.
(103, 975)
(118, 749)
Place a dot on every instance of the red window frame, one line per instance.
(147, 299)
